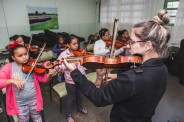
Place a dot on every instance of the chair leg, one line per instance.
(4, 101)
(43, 117)
(61, 105)
(8, 118)
(50, 90)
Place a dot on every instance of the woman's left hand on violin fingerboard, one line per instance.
(69, 66)
(109, 77)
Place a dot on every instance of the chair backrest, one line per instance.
(92, 76)
(90, 47)
(46, 55)
(4, 90)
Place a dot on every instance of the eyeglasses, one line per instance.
(131, 42)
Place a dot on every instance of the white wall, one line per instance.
(3, 28)
(154, 6)
(75, 16)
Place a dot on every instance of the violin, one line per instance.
(32, 48)
(39, 68)
(118, 44)
(93, 62)
(82, 52)
(98, 62)
(30, 65)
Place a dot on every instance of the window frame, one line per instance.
(165, 7)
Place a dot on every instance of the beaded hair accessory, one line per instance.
(13, 44)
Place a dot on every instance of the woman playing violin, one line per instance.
(136, 92)
(100, 47)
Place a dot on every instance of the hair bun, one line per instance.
(162, 17)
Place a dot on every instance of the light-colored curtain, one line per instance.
(129, 12)
(178, 29)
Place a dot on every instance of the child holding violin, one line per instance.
(125, 38)
(100, 47)
(59, 46)
(17, 38)
(33, 50)
(23, 97)
(72, 90)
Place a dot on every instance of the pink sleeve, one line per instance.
(5, 73)
(42, 78)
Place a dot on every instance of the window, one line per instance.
(171, 6)
(129, 12)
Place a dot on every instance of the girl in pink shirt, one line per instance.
(72, 90)
(23, 97)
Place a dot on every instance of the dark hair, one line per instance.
(15, 37)
(124, 31)
(102, 32)
(70, 38)
(155, 32)
(12, 51)
(58, 36)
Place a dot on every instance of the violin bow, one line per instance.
(36, 61)
(114, 36)
(113, 43)
(30, 42)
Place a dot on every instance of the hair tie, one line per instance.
(161, 23)
(13, 44)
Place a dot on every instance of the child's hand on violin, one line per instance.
(18, 83)
(48, 64)
(51, 72)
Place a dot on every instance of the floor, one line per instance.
(171, 106)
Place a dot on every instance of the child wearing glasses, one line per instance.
(100, 47)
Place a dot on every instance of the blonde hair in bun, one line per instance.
(155, 31)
